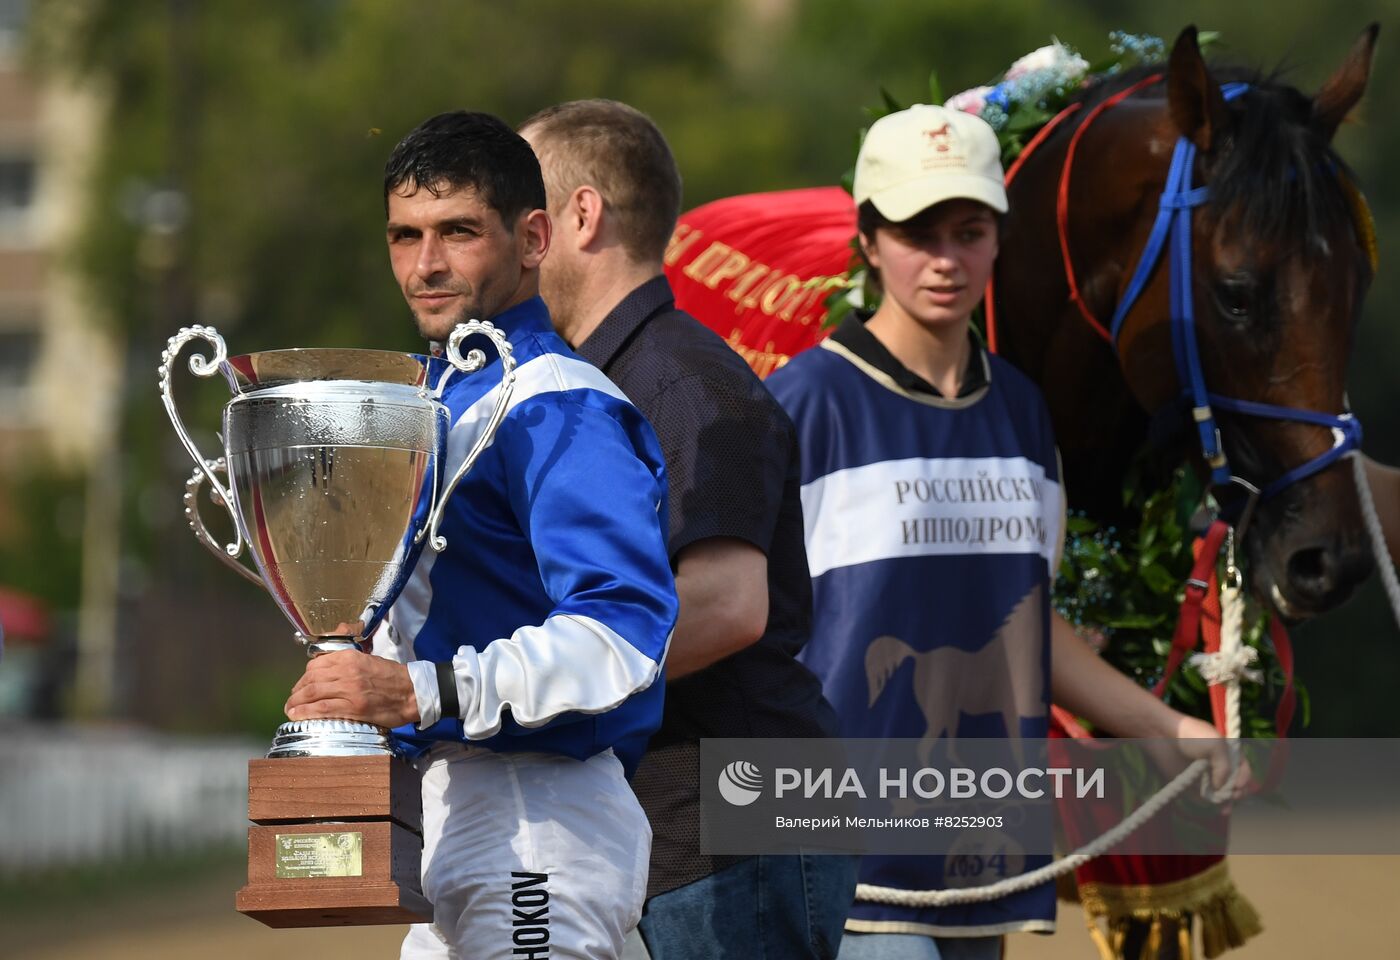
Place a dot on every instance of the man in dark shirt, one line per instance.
(735, 537)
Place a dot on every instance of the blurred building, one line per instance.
(60, 368)
(50, 337)
(21, 270)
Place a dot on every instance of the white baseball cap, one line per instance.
(924, 155)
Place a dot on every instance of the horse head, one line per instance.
(1275, 273)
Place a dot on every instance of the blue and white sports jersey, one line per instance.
(933, 527)
(554, 599)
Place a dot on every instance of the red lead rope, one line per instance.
(1200, 586)
(1283, 649)
(1200, 619)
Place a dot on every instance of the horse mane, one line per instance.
(1276, 173)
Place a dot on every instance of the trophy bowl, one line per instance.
(334, 461)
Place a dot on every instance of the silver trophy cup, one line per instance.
(333, 460)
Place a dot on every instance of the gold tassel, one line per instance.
(1227, 922)
(1106, 952)
(1152, 950)
(1120, 934)
(1227, 918)
(1183, 940)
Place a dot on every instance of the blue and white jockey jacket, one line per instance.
(554, 599)
(933, 525)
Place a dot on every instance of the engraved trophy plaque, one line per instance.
(333, 461)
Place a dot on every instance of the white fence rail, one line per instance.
(70, 797)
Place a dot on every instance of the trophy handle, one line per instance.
(201, 532)
(473, 361)
(200, 367)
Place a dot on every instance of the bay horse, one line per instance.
(1278, 269)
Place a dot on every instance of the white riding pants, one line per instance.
(528, 856)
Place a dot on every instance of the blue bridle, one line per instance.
(1173, 226)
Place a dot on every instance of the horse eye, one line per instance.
(1235, 296)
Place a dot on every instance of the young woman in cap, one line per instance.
(933, 519)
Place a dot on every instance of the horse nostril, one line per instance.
(1323, 576)
(1310, 572)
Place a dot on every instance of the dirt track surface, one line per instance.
(1312, 907)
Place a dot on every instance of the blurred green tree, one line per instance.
(239, 179)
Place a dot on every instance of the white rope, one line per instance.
(1232, 652)
(1373, 527)
(1221, 667)
(1232, 664)
(1002, 888)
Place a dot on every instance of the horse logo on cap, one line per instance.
(939, 138)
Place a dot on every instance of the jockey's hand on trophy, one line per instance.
(349, 685)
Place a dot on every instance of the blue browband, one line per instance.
(1173, 225)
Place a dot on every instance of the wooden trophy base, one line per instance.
(337, 842)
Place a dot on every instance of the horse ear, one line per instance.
(1343, 89)
(1193, 97)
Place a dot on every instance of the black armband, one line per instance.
(447, 691)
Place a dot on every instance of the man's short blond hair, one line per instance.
(617, 150)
